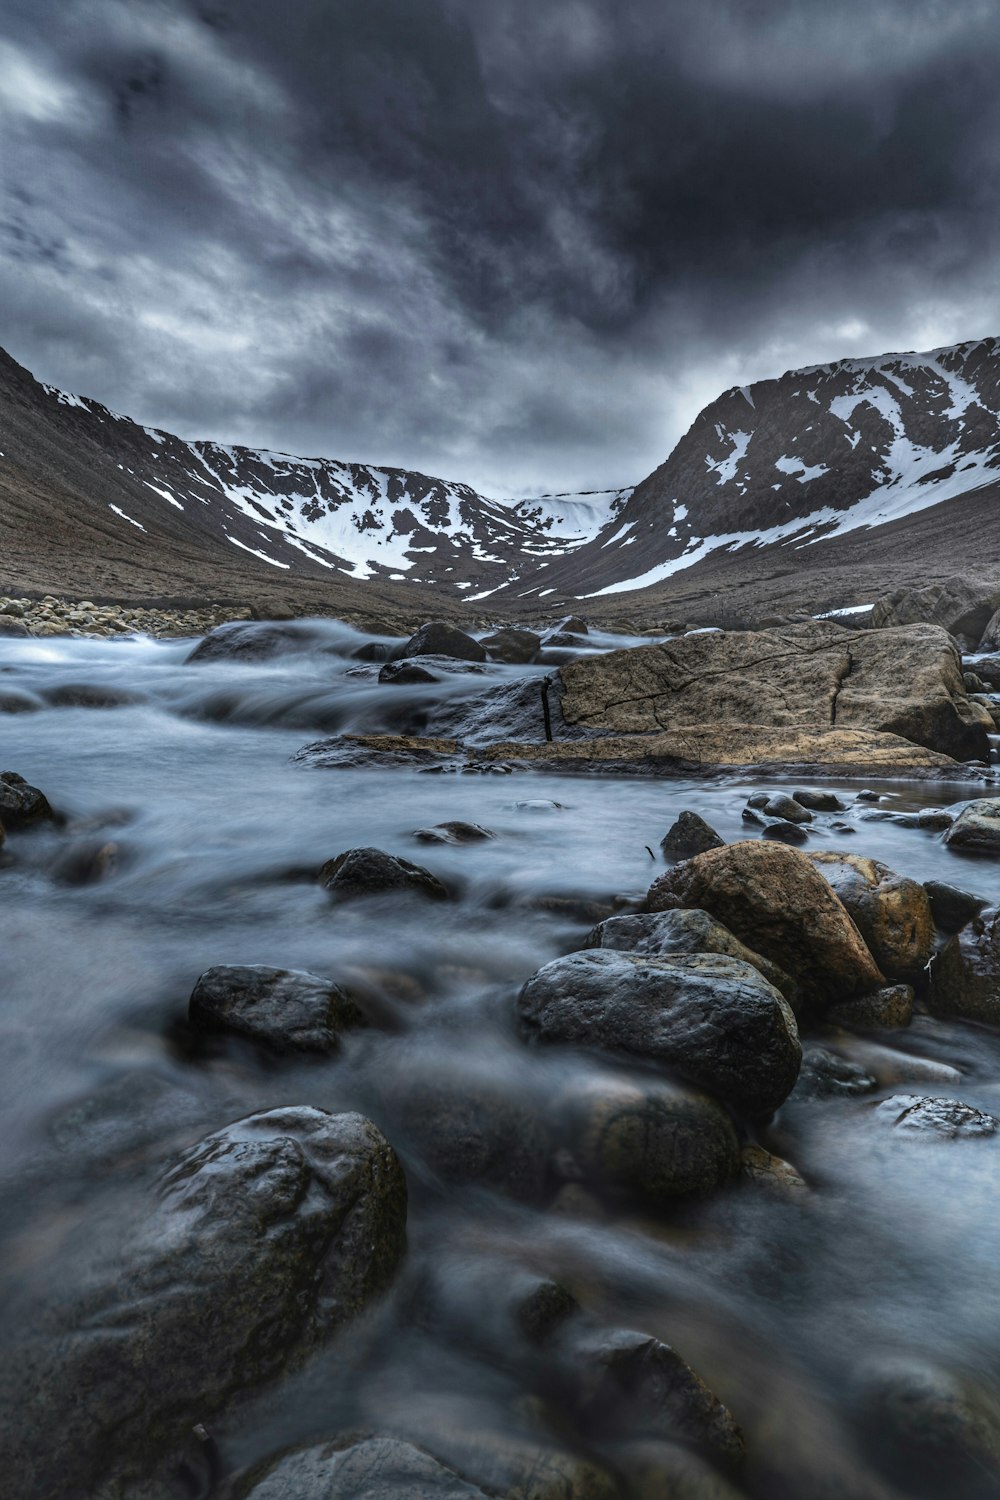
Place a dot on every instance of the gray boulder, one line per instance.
(713, 1020)
(976, 830)
(652, 933)
(378, 1468)
(512, 645)
(965, 975)
(690, 834)
(951, 907)
(961, 606)
(372, 872)
(263, 1239)
(285, 1010)
(787, 808)
(21, 804)
(438, 638)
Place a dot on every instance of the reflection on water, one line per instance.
(789, 1309)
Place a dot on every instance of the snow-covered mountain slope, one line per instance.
(298, 514)
(795, 462)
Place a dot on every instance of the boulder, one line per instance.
(264, 1238)
(438, 638)
(827, 1075)
(652, 933)
(21, 804)
(713, 1020)
(785, 833)
(819, 801)
(881, 1010)
(892, 912)
(772, 1174)
(372, 872)
(404, 672)
(644, 1141)
(787, 808)
(91, 695)
(244, 640)
(950, 1118)
(13, 628)
(453, 832)
(952, 907)
(775, 900)
(690, 834)
(377, 1468)
(284, 1010)
(976, 830)
(942, 1427)
(990, 638)
(512, 645)
(808, 677)
(961, 606)
(965, 975)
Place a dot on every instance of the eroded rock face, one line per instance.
(372, 872)
(814, 676)
(976, 830)
(965, 976)
(378, 1468)
(892, 912)
(679, 931)
(263, 1239)
(284, 1010)
(775, 900)
(714, 1020)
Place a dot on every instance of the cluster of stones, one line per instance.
(53, 616)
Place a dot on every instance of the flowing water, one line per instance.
(784, 1307)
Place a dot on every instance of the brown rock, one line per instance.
(775, 900)
(965, 975)
(892, 912)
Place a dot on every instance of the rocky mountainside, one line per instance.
(770, 501)
(311, 516)
(789, 466)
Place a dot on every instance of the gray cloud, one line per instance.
(515, 244)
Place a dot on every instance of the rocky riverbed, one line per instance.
(389, 1109)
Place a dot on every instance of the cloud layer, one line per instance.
(515, 244)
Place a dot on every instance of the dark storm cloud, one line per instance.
(514, 243)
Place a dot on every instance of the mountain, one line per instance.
(301, 516)
(786, 467)
(823, 487)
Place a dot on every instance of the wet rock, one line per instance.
(566, 640)
(825, 1075)
(787, 808)
(713, 1019)
(91, 695)
(892, 912)
(249, 641)
(266, 1237)
(868, 796)
(13, 628)
(373, 651)
(403, 672)
(754, 816)
(539, 805)
(976, 830)
(887, 1008)
(87, 862)
(775, 900)
(657, 1470)
(437, 638)
(627, 1382)
(682, 931)
(758, 799)
(952, 907)
(14, 702)
(965, 975)
(21, 804)
(785, 833)
(466, 1128)
(943, 1426)
(377, 1468)
(819, 801)
(690, 834)
(644, 1142)
(453, 832)
(573, 624)
(944, 1117)
(370, 872)
(512, 645)
(284, 1010)
(511, 1464)
(772, 1174)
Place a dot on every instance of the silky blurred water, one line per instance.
(187, 771)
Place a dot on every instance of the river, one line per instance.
(784, 1307)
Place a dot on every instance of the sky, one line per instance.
(518, 243)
